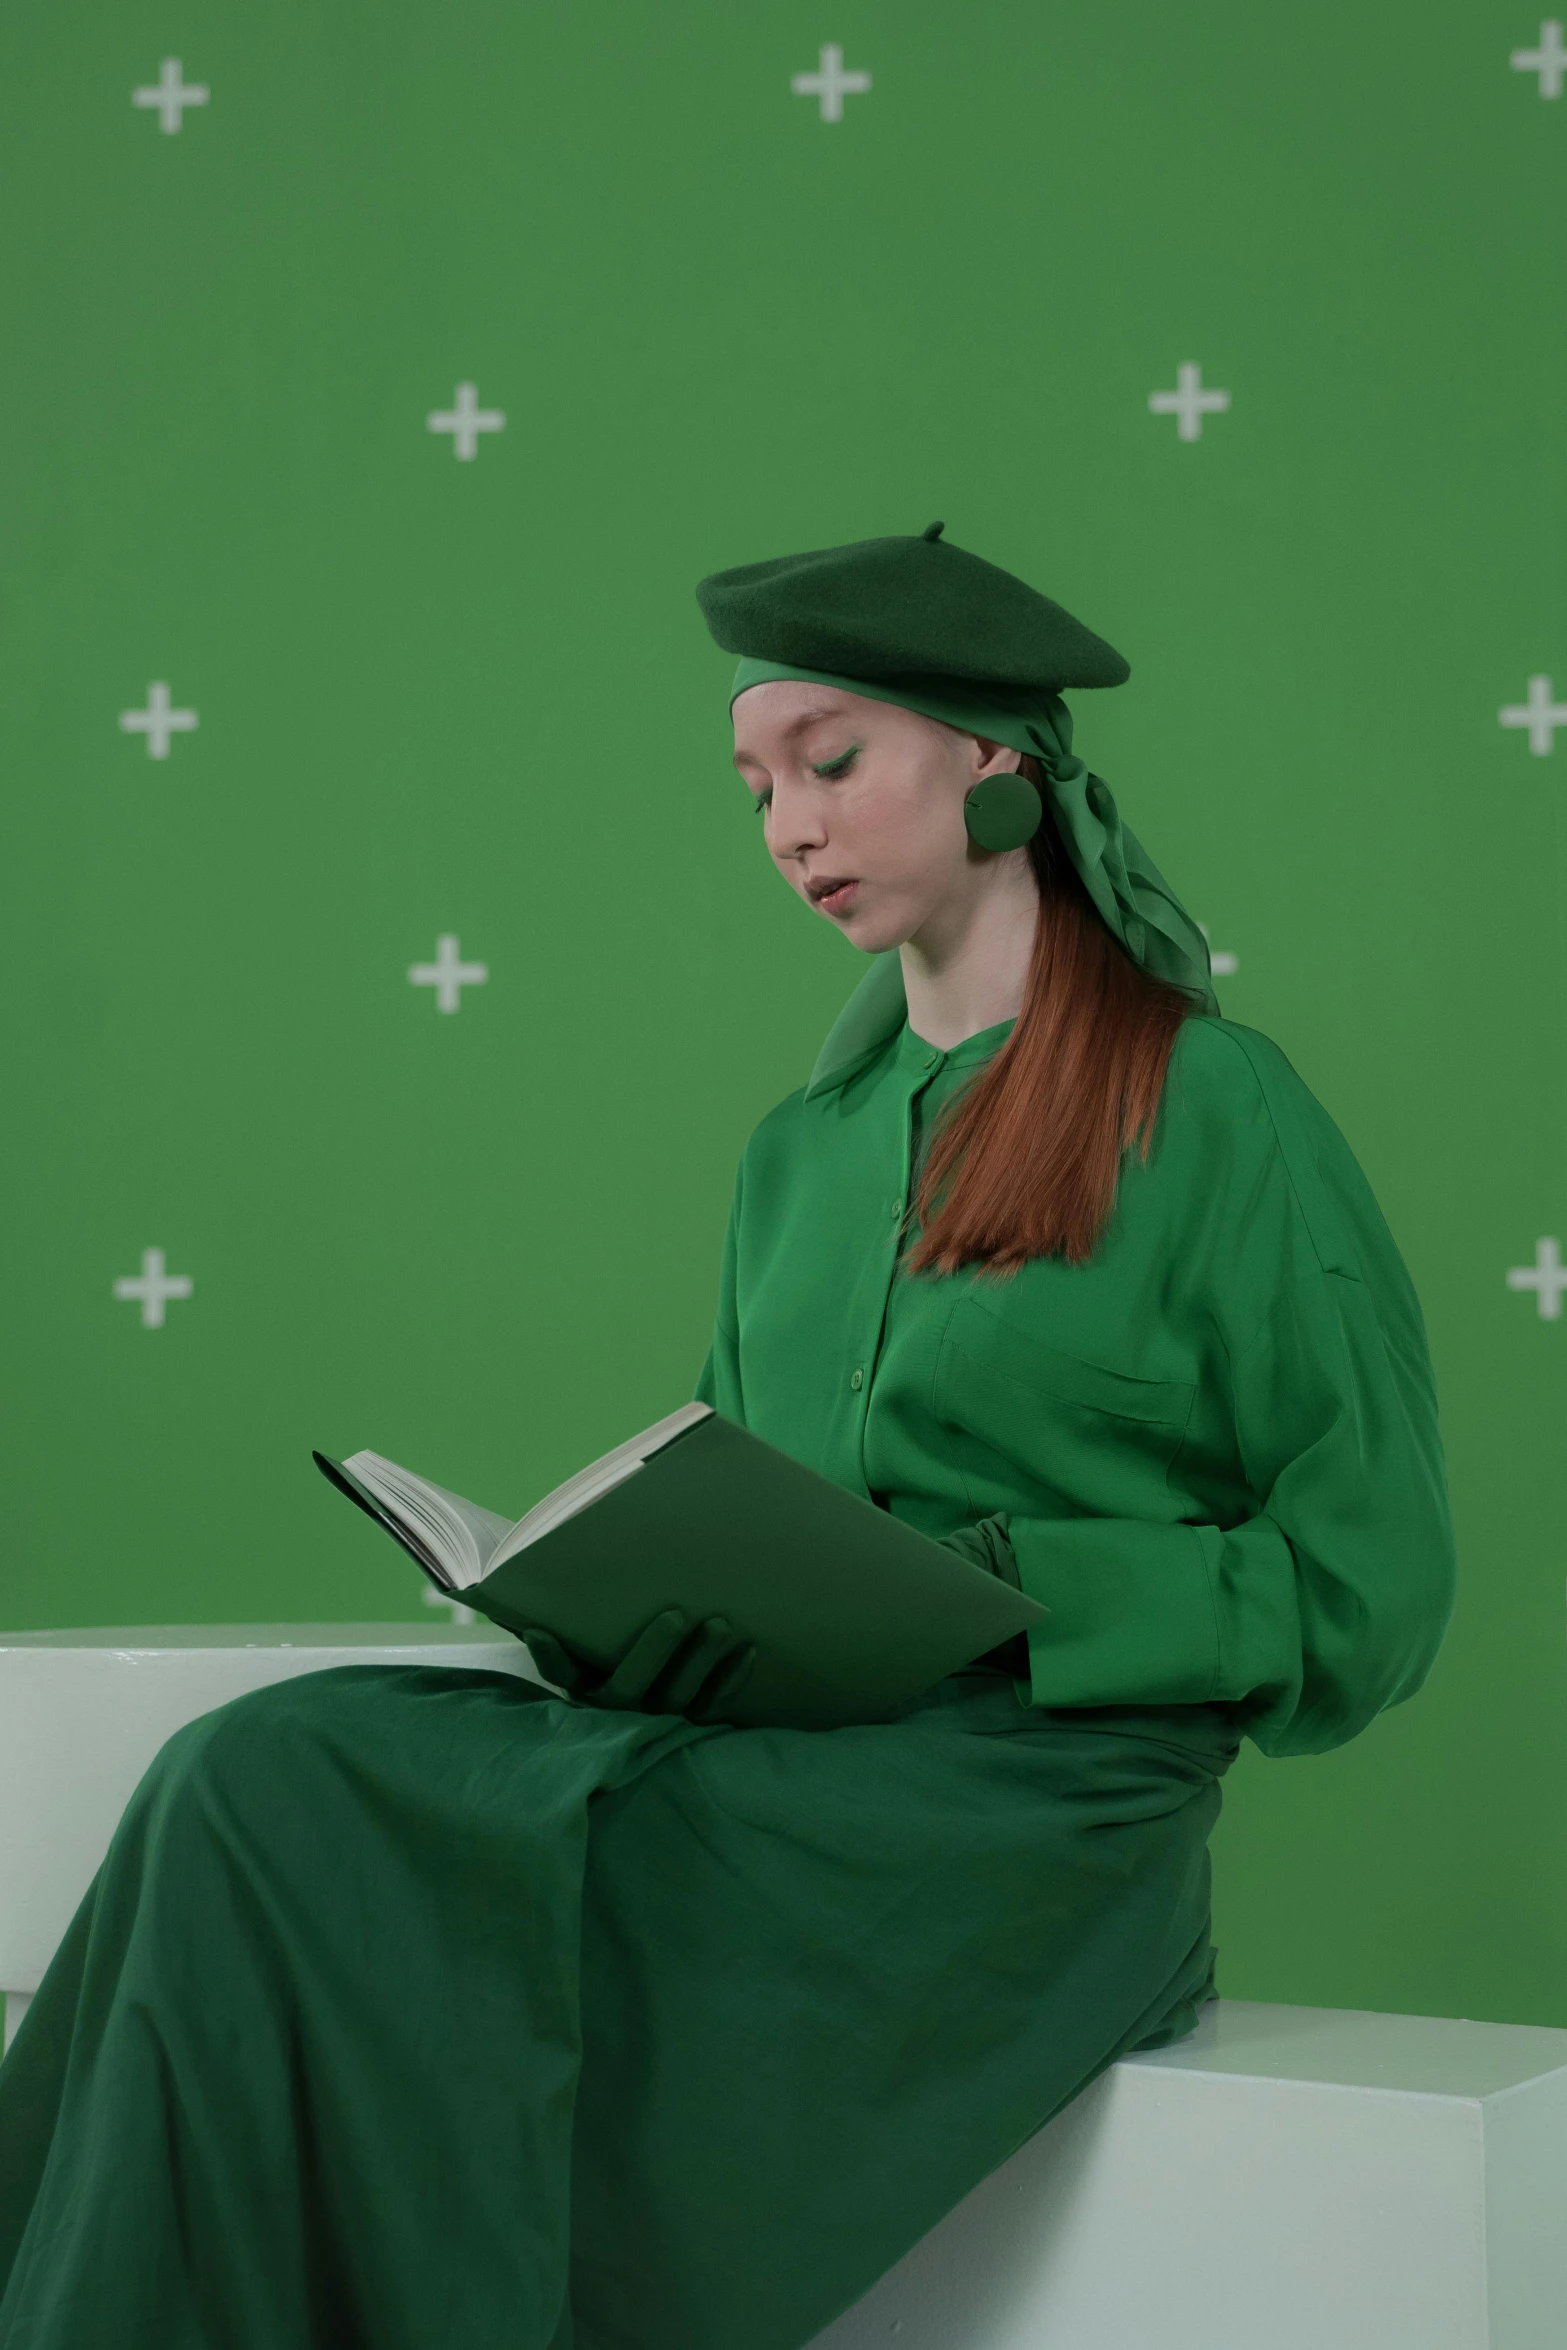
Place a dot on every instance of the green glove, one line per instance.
(986, 1546)
(671, 1667)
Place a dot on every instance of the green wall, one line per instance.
(438, 696)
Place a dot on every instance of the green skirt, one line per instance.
(415, 2008)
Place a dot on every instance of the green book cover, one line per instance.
(852, 1612)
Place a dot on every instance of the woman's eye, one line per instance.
(831, 769)
(763, 799)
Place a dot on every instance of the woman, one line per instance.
(414, 2007)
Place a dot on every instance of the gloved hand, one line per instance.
(986, 1545)
(672, 1667)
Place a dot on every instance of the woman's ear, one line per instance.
(990, 758)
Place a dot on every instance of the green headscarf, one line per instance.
(1131, 896)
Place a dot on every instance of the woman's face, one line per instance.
(862, 803)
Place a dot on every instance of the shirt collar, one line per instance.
(922, 1060)
(875, 1014)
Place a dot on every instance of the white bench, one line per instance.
(1288, 2178)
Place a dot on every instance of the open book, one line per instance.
(455, 1541)
(853, 1613)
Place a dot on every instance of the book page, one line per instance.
(598, 1478)
(462, 1535)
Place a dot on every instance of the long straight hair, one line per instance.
(1026, 1161)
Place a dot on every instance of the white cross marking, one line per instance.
(1188, 401)
(152, 1285)
(830, 83)
(1549, 61)
(466, 420)
(1547, 1277)
(1222, 964)
(1539, 714)
(447, 975)
(157, 722)
(169, 94)
(461, 1614)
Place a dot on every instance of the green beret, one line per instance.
(884, 609)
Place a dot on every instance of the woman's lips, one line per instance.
(832, 896)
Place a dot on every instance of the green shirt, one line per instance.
(1215, 1443)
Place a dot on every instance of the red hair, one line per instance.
(1026, 1161)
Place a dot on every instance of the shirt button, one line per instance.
(931, 1059)
(897, 1209)
(856, 1380)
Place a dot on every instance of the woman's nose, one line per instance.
(794, 823)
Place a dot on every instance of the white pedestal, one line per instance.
(1297, 2178)
(83, 1713)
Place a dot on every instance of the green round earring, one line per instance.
(1003, 812)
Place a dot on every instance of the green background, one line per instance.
(477, 698)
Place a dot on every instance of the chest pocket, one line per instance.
(1099, 1439)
